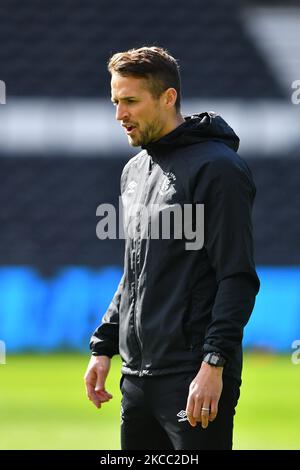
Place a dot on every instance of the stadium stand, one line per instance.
(49, 216)
(59, 48)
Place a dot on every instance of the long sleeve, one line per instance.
(228, 197)
(105, 339)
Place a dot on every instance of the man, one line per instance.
(178, 315)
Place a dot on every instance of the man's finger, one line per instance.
(191, 419)
(89, 389)
(197, 408)
(189, 412)
(96, 398)
(98, 401)
(213, 410)
(92, 395)
(103, 394)
(205, 412)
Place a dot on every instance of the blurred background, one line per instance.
(61, 155)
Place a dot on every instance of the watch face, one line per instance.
(214, 359)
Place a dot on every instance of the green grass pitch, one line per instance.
(43, 404)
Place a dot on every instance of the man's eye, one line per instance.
(115, 103)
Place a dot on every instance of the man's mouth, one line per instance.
(129, 129)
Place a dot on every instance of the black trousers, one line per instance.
(153, 415)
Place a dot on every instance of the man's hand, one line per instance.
(95, 378)
(204, 394)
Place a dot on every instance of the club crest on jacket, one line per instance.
(168, 179)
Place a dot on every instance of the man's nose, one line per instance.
(121, 112)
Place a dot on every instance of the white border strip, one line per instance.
(43, 127)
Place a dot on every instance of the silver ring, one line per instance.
(205, 409)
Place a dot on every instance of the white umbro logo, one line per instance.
(182, 416)
(131, 187)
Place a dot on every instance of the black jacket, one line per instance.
(173, 304)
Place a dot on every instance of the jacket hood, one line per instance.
(197, 128)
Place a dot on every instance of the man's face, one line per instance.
(142, 116)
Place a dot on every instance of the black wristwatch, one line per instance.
(214, 359)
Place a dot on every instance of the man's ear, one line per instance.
(170, 97)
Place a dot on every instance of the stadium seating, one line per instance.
(60, 48)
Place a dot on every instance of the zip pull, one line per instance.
(151, 165)
(132, 260)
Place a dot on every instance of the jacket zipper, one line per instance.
(136, 277)
(139, 343)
